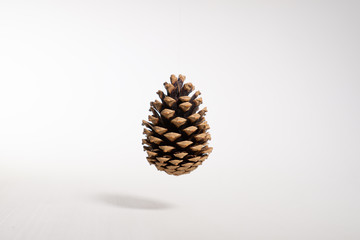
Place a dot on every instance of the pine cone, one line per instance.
(176, 134)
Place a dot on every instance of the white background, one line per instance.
(281, 81)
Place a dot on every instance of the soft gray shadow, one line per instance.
(132, 202)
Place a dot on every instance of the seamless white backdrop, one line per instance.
(281, 81)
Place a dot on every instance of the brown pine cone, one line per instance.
(176, 135)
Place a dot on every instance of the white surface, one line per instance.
(280, 80)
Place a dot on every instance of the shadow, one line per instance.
(132, 202)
